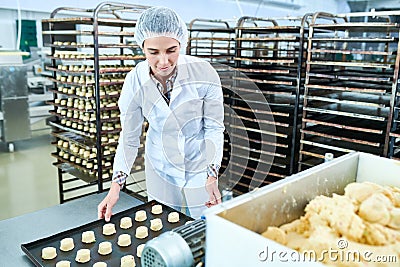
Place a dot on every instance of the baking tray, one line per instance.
(34, 249)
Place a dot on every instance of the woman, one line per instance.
(181, 98)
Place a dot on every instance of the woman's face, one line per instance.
(162, 54)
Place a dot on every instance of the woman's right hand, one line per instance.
(104, 209)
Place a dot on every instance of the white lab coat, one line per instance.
(182, 139)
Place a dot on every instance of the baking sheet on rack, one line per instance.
(34, 249)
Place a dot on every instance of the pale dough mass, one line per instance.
(126, 223)
(109, 229)
(63, 264)
(88, 237)
(140, 216)
(156, 224)
(141, 232)
(83, 255)
(367, 216)
(49, 253)
(67, 244)
(173, 217)
(156, 209)
(124, 240)
(128, 261)
(105, 248)
(139, 250)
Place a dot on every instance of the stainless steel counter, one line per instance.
(36, 225)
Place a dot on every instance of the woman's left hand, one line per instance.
(213, 191)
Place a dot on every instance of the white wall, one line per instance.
(209, 9)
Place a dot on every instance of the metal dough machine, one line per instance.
(233, 228)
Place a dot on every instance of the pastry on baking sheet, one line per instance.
(88, 237)
(173, 217)
(126, 222)
(124, 240)
(109, 229)
(67, 244)
(63, 264)
(105, 248)
(140, 216)
(141, 232)
(156, 209)
(156, 224)
(83, 255)
(128, 261)
(139, 250)
(49, 253)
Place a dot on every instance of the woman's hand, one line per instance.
(213, 191)
(104, 209)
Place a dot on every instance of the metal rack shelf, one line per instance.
(267, 90)
(91, 70)
(350, 87)
(99, 85)
(213, 40)
(103, 57)
(81, 32)
(109, 95)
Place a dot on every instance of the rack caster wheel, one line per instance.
(10, 147)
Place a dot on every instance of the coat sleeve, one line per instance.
(214, 118)
(131, 122)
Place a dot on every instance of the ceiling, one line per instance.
(378, 5)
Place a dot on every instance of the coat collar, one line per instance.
(183, 74)
(182, 66)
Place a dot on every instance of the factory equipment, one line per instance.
(262, 74)
(184, 246)
(90, 57)
(14, 107)
(269, 53)
(351, 89)
(230, 235)
(213, 40)
(39, 84)
(244, 218)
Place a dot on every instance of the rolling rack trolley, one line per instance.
(91, 53)
(351, 87)
(270, 52)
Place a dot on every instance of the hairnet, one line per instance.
(160, 21)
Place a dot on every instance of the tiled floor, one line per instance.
(28, 180)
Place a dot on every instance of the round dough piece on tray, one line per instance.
(140, 216)
(128, 261)
(100, 264)
(49, 253)
(63, 264)
(83, 255)
(109, 229)
(173, 217)
(124, 240)
(67, 244)
(88, 237)
(156, 209)
(139, 250)
(105, 248)
(141, 232)
(156, 224)
(126, 223)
